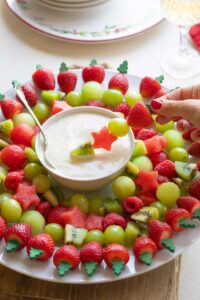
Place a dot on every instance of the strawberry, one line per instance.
(149, 87)
(166, 168)
(58, 106)
(144, 250)
(29, 93)
(147, 198)
(147, 180)
(94, 222)
(91, 255)
(22, 134)
(40, 247)
(44, 208)
(120, 81)
(17, 237)
(2, 227)
(194, 149)
(155, 144)
(123, 108)
(13, 179)
(26, 196)
(132, 204)
(55, 215)
(95, 103)
(44, 79)
(191, 204)
(161, 234)
(13, 157)
(162, 179)
(103, 139)
(113, 219)
(179, 219)
(140, 116)
(157, 158)
(116, 257)
(93, 72)
(66, 258)
(145, 134)
(67, 79)
(10, 108)
(136, 131)
(194, 188)
(160, 93)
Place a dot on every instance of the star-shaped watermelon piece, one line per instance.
(103, 139)
(26, 196)
(147, 180)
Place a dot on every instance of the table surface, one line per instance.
(21, 49)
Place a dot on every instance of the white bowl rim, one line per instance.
(75, 110)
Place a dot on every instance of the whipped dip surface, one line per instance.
(73, 130)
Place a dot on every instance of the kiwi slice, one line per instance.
(141, 216)
(186, 171)
(84, 150)
(74, 235)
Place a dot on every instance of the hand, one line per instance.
(182, 102)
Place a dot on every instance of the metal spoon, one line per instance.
(22, 98)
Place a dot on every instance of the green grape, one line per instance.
(94, 235)
(132, 98)
(55, 230)
(113, 205)
(91, 90)
(81, 201)
(96, 205)
(49, 96)
(42, 183)
(31, 155)
(32, 170)
(164, 127)
(152, 211)
(6, 127)
(161, 208)
(143, 163)
(11, 210)
(139, 149)
(168, 193)
(74, 98)
(132, 231)
(24, 118)
(112, 97)
(174, 139)
(179, 154)
(34, 219)
(118, 127)
(123, 187)
(3, 171)
(5, 196)
(42, 111)
(114, 234)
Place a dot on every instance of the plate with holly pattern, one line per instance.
(109, 21)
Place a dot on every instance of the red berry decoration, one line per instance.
(147, 180)
(10, 108)
(179, 219)
(29, 93)
(116, 257)
(157, 158)
(123, 108)
(2, 227)
(161, 234)
(26, 196)
(91, 255)
(194, 189)
(145, 134)
(113, 219)
(140, 116)
(40, 247)
(166, 168)
(44, 78)
(66, 258)
(13, 157)
(162, 179)
(17, 237)
(67, 79)
(144, 250)
(191, 204)
(150, 86)
(132, 204)
(103, 139)
(120, 81)
(22, 134)
(93, 72)
(13, 179)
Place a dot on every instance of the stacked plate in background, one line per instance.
(70, 4)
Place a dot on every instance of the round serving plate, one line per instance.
(69, 6)
(108, 21)
(20, 262)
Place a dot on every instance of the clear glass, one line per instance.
(183, 62)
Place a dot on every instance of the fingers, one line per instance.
(192, 92)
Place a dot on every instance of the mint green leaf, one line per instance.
(123, 68)
(93, 62)
(63, 67)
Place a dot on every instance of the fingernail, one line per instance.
(156, 105)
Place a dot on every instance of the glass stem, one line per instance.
(183, 40)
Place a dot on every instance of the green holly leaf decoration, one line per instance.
(196, 214)
(117, 266)
(15, 83)
(178, 87)
(63, 268)
(2, 96)
(123, 68)
(38, 67)
(93, 62)
(186, 223)
(63, 67)
(160, 78)
(146, 258)
(12, 245)
(168, 244)
(148, 106)
(35, 253)
(90, 267)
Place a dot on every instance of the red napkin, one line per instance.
(195, 35)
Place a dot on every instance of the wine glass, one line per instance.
(183, 62)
